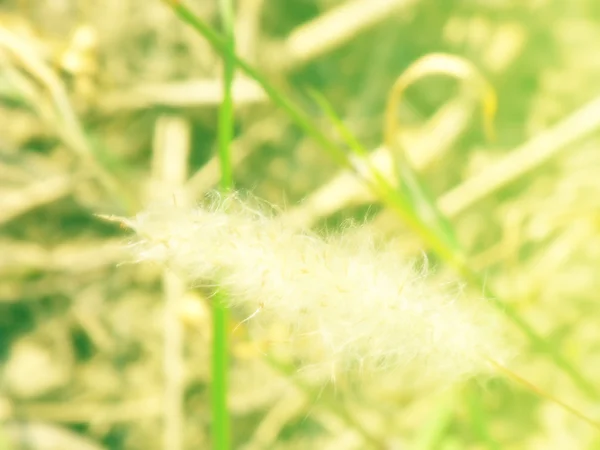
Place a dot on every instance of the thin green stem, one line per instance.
(226, 111)
(220, 360)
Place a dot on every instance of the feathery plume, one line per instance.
(355, 303)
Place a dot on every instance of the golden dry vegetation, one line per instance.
(107, 106)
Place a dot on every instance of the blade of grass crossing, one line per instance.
(400, 200)
(413, 195)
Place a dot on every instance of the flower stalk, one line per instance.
(347, 303)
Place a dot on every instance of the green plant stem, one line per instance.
(226, 111)
(391, 198)
(220, 360)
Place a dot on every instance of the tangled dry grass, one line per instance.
(105, 106)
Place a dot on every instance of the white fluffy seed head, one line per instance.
(356, 304)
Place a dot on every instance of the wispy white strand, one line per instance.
(356, 304)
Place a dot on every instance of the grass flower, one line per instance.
(356, 304)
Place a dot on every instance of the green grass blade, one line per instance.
(414, 197)
(226, 111)
(399, 200)
(423, 202)
(220, 360)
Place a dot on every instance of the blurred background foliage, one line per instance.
(91, 91)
